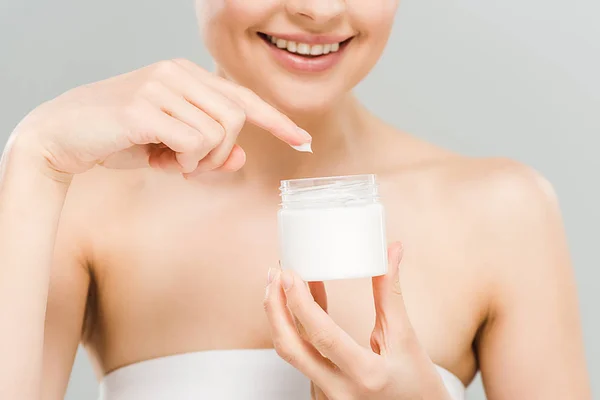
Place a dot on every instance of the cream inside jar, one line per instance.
(332, 228)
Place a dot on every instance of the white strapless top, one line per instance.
(221, 374)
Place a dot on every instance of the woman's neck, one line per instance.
(337, 134)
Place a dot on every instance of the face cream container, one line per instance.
(332, 228)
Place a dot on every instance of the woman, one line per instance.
(161, 270)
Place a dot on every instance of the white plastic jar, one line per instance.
(332, 228)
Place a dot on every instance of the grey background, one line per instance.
(517, 78)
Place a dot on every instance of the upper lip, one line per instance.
(310, 39)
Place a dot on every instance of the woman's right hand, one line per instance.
(172, 114)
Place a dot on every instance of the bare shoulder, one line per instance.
(499, 191)
(508, 202)
(496, 191)
(503, 213)
(95, 198)
(101, 191)
(502, 203)
(506, 215)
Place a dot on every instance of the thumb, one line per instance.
(391, 316)
(319, 294)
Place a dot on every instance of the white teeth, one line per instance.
(316, 50)
(291, 46)
(304, 48)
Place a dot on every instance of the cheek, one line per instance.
(208, 13)
(208, 8)
(239, 13)
(224, 21)
(374, 17)
(220, 21)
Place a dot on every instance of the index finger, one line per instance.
(321, 331)
(258, 112)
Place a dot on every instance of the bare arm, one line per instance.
(67, 297)
(531, 346)
(30, 207)
(171, 115)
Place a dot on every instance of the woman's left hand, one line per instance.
(396, 367)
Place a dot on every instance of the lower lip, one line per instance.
(297, 63)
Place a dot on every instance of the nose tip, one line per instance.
(317, 11)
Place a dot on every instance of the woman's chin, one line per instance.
(302, 107)
(296, 98)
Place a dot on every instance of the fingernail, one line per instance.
(271, 275)
(304, 148)
(305, 135)
(287, 280)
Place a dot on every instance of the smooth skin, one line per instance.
(170, 116)
(140, 262)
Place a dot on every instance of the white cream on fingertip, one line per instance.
(304, 148)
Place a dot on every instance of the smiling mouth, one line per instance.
(306, 50)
